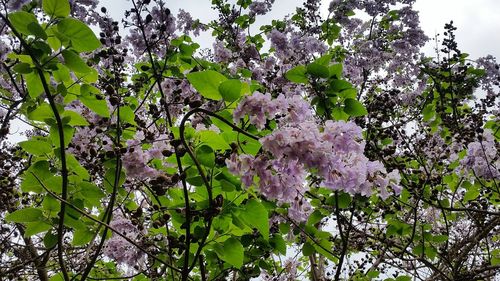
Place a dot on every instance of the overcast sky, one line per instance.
(478, 21)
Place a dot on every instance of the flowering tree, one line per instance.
(310, 149)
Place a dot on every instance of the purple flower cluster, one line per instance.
(300, 45)
(482, 158)
(136, 159)
(491, 79)
(260, 7)
(261, 107)
(334, 152)
(385, 48)
(163, 25)
(279, 179)
(221, 53)
(120, 249)
(186, 24)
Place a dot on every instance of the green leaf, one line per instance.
(74, 62)
(428, 112)
(76, 167)
(471, 193)
(90, 190)
(278, 244)
(354, 108)
(339, 114)
(318, 70)
(230, 90)
(82, 236)
(127, 115)
(335, 70)
(227, 186)
(255, 216)
(37, 30)
(207, 83)
(344, 200)
(100, 107)
(36, 147)
(233, 252)
(25, 215)
(324, 245)
(49, 240)
(75, 118)
(56, 8)
(36, 227)
(315, 217)
(214, 140)
(34, 84)
(81, 36)
(297, 74)
(68, 132)
(41, 113)
(308, 249)
(21, 20)
(51, 204)
(338, 85)
(23, 68)
(440, 238)
(109, 179)
(324, 60)
(205, 154)
(38, 171)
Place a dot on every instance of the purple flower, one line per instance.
(120, 249)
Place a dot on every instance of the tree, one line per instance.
(315, 149)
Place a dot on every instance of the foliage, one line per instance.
(312, 149)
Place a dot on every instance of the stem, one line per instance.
(109, 210)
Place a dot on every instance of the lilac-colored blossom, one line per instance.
(120, 249)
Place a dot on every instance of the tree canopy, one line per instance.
(310, 148)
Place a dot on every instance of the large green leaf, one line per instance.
(25, 215)
(214, 140)
(81, 36)
(82, 236)
(207, 83)
(21, 20)
(36, 227)
(56, 8)
(36, 147)
(74, 62)
(335, 70)
(75, 119)
(100, 107)
(127, 115)
(233, 252)
(205, 155)
(34, 84)
(297, 74)
(318, 70)
(230, 89)
(354, 108)
(68, 133)
(255, 216)
(37, 172)
(41, 113)
(91, 193)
